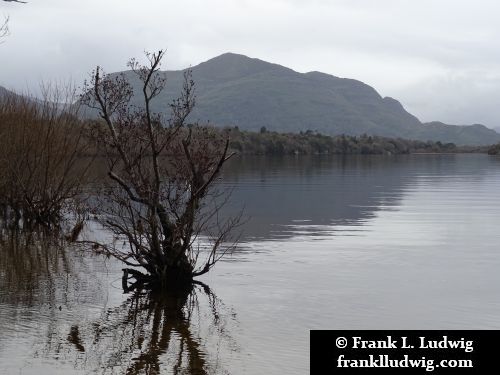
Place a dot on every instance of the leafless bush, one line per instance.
(41, 165)
(163, 173)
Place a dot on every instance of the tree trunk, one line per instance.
(177, 275)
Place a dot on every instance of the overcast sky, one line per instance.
(440, 58)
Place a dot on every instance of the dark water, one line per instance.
(332, 243)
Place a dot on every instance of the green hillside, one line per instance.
(235, 90)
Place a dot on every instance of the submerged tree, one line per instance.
(162, 171)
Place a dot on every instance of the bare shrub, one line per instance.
(162, 172)
(42, 164)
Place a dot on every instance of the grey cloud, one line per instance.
(404, 48)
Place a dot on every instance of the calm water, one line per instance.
(331, 243)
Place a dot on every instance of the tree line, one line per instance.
(313, 143)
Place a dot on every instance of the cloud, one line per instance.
(404, 48)
(461, 98)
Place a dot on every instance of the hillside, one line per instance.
(235, 90)
(476, 134)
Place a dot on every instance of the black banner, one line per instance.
(404, 352)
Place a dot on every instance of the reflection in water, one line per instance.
(152, 333)
(29, 264)
(43, 286)
(406, 243)
(56, 311)
(284, 197)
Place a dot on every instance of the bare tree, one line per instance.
(4, 29)
(161, 200)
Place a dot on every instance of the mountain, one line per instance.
(476, 134)
(235, 90)
(4, 91)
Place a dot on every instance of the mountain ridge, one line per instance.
(251, 93)
(236, 90)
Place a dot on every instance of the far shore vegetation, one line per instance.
(309, 142)
(494, 150)
(270, 143)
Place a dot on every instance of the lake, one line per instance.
(400, 242)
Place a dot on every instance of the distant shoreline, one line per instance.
(312, 143)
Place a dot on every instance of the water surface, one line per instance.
(403, 242)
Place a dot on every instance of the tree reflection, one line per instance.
(155, 333)
(30, 264)
(64, 293)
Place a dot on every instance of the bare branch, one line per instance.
(4, 29)
(161, 174)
